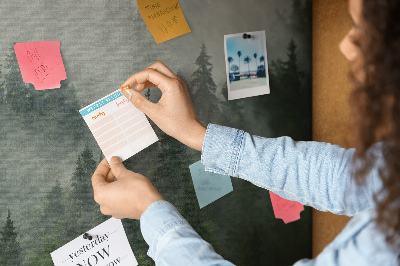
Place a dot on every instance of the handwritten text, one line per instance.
(100, 114)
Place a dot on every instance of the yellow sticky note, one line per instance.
(164, 18)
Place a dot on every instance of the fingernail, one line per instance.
(129, 93)
(115, 160)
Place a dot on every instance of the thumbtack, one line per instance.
(246, 36)
(125, 88)
(87, 236)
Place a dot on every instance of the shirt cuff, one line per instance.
(158, 219)
(221, 150)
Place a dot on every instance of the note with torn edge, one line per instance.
(209, 186)
(41, 64)
(287, 210)
(109, 246)
(164, 18)
(118, 126)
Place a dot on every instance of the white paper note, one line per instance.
(108, 247)
(118, 126)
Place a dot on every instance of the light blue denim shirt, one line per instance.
(312, 173)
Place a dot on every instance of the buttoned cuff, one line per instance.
(221, 150)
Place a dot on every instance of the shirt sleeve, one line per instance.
(360, 243)
(172, 241)
(313, 173)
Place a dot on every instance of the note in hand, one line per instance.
(164, 18)
(41, 64)
(288, 211)
(118, 126)
(209, 186)
(109, 246)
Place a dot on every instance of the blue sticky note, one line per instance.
(209, 186)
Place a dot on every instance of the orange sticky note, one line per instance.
(288, 211)
(41, 64)
(164, 18)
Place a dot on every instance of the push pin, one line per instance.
(87, 236)
(125, 88)
(246, 36)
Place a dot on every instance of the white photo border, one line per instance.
(248, 92)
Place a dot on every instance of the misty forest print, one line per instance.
(49, 155)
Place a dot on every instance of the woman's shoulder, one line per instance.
(362, 239)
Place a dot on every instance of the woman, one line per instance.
(316, 174)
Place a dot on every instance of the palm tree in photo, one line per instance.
(230, 60)
(247, 60)
(234, 68)
(262, 59)
(239, 54)
(255, 59)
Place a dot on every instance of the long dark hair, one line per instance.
(375, 103)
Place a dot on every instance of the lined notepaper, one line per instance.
(118, 126)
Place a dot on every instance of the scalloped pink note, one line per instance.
(288, 211)
(41, 64)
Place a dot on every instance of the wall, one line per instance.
(331, 88)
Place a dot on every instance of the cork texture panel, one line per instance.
(331, 88)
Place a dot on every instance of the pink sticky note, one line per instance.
(41, 64)
(288, 211)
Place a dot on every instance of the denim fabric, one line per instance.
(172, 241)
(312, 173)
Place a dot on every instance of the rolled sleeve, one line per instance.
(313, 173)
(221, 149)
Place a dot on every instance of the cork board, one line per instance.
(331, 88)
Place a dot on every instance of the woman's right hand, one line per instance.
(174, 112)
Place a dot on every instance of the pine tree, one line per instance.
(81, 181)
(56, 107)
(2, 91)
(292, 97)
(171, 173)
(291, 72)
(54, 208)
(17, 94)
(296, 16)
(10, 249)
(233, 112)
(300, 25)
(52, 235)
(83, 210)
(204, 98)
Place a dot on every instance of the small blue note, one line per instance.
(209, 186)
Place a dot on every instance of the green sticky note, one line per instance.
(209, 186)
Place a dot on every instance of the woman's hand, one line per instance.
(128, 196)
(173, 113)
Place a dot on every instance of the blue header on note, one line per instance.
(102, 102)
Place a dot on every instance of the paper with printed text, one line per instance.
(118, 126)
(109, 246)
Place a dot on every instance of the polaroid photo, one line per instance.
(246, 64)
